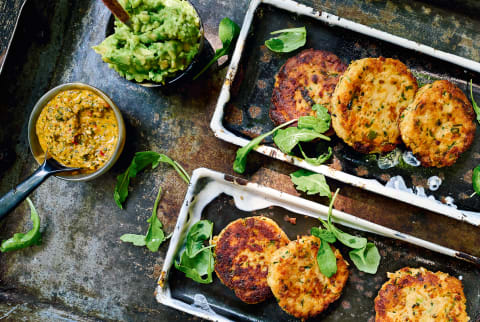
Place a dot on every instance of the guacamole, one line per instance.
(164, 39)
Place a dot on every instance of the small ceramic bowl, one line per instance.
(188, 73)
(37, 150)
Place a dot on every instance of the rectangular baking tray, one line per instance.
(222, 198)
(242, 108)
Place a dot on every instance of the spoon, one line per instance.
(118, 11)
(15, 196)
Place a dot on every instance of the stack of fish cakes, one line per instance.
(242, 255)
(254, 257)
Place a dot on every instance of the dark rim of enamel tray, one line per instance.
(247, 113)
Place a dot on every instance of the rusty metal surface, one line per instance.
(82, 270)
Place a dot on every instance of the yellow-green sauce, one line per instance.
(79, 129)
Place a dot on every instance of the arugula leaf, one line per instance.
(326, 260)
(476, 179)
(324, 234)
(228, 31)
(287, 139)
(23, 240)
(155, 235)
(318, 160)
(288, 40)
(139, 162)
(196, 260)
(345, 238)
(366, 259)
(311, 183)
(319, 123)
(313, 123)
(474, 104)
(322, 112)
(196, 267)
(476, 171)
(240, 162)
(364, 255)
(200, 232)
(137, 240)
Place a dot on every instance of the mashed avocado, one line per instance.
(163, 40)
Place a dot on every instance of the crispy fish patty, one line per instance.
(416, 294)
(242, 254)
(439, 124)
(297, 283)
(304, 80)
(367, 103)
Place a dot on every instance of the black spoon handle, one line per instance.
(15, 196)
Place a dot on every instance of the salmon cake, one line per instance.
(303, 81)
(368, 101)
(297, 283)
(439, 124)
(417, 294)
(242, 254)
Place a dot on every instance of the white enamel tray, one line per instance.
(368, 184)
(206, 185)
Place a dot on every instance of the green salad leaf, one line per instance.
(200, 231)
(23, 240)
(474, 104)
(313, 123)
(322, 158)
(136, 240)
(308, 129)
(311, 183)
(364, 255)
(326, 260)
(319, 123)
(288, 40)
(228, 32)
(197, 267)
(476, 179)
(324, 234)
(140, 161)
(196, 260)
(321, 112)
(476, 171)
(155, 235)
(240, 162)
(287, 139)
(366, 259)
(345, 238)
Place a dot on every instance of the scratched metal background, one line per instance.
(82, 271)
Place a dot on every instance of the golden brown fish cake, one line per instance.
(368, 101)
(439, 124)
(417, 294)
(304, 80)
(242, 254)
(296, 281)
